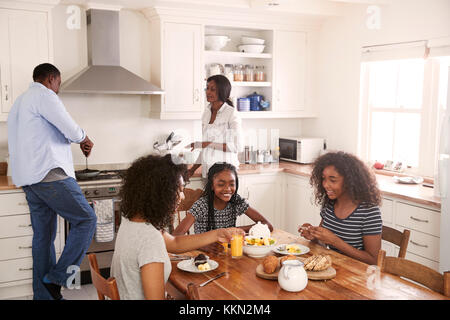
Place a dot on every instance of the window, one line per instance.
(401, 105)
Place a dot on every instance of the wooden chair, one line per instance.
(190, 196)
(416, 272)
(105, 287)
(398, 238)
(192, 291)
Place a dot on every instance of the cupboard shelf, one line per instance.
(251, 84)
(236, 54)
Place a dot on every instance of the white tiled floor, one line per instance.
(87, 292)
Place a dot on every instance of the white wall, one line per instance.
(341, 39)
(119, 125)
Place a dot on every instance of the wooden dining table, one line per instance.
(350, 283)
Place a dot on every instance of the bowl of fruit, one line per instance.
(258, 247)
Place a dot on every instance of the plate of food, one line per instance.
(295, 249)
(199, 264)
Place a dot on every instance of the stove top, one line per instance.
(105, 175)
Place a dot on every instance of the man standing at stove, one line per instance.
(40, 132)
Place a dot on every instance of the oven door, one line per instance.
(103, 250)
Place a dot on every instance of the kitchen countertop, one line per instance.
(410, 192)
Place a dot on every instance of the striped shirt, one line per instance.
(363, 221)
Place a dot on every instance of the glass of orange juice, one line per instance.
(236, 246)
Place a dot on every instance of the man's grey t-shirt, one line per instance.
(137, 244)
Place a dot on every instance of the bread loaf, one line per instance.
(270, 264)
(317, 263)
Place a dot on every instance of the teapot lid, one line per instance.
(254, 94)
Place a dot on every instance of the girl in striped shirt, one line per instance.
(349, 196)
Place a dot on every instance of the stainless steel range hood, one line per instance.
(104, 73)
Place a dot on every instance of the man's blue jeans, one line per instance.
(47, 200)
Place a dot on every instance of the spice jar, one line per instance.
(260, 75)
(249, 73)
(229, 72)
(239, 72)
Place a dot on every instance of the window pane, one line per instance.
(383, 84)
(410, 83)
(382, 136)
(407, 138)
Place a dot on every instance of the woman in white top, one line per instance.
(221, 128)
(151, 192)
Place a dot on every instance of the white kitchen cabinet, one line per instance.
(263, 193)
(387, 217)
(300, 207)
(16, 235)
(289, 71)
(177, 67)
(24, 38)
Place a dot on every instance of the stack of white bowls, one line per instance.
(251, 45)
(216, 42)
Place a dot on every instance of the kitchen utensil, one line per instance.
(251, 40)
(251, 48)
(216, 42)
(292, 276)
(212, 279)
(86, 173)
(255, 101)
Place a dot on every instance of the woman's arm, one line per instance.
(372, 244)
(255, 216)
(180, 244)
(152, 275)
(184, 225)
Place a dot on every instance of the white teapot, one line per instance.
(292, 276)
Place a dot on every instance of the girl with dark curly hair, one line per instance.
(220, 204)
(351, 219)
(151, 192)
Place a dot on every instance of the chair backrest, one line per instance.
(398, 238)
(192, 292)
(190, 196)
(105, 287)
(416, 272)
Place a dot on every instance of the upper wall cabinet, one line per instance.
(24, 38)
(181, 62)
(177, 68)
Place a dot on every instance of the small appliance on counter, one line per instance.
(300, 150)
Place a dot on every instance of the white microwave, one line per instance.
(300, 150)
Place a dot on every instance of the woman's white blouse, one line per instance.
(227, 128)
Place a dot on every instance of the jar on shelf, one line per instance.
(239, 72)
(215, 68)
(249, 73)
(229, 72)
(260, 74)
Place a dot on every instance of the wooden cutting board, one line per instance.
(326, 274)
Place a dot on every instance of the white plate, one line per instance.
(278, 249)
(408, 180)
(189, 266)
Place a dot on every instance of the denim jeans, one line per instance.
(47, 200)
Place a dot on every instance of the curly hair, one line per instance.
(359, 181)
(150, 189)
(209, 193)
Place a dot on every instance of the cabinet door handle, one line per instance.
(27, 247)
(418, 244)
(6, 92)
(418, 220)
(24, 225)
(25, 269)
(22, 204)
(196, 95)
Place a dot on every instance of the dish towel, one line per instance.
(104, 209)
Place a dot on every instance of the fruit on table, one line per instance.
(378, 165)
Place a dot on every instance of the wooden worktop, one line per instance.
(410, 192)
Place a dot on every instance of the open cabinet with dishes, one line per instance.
(244, 56)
